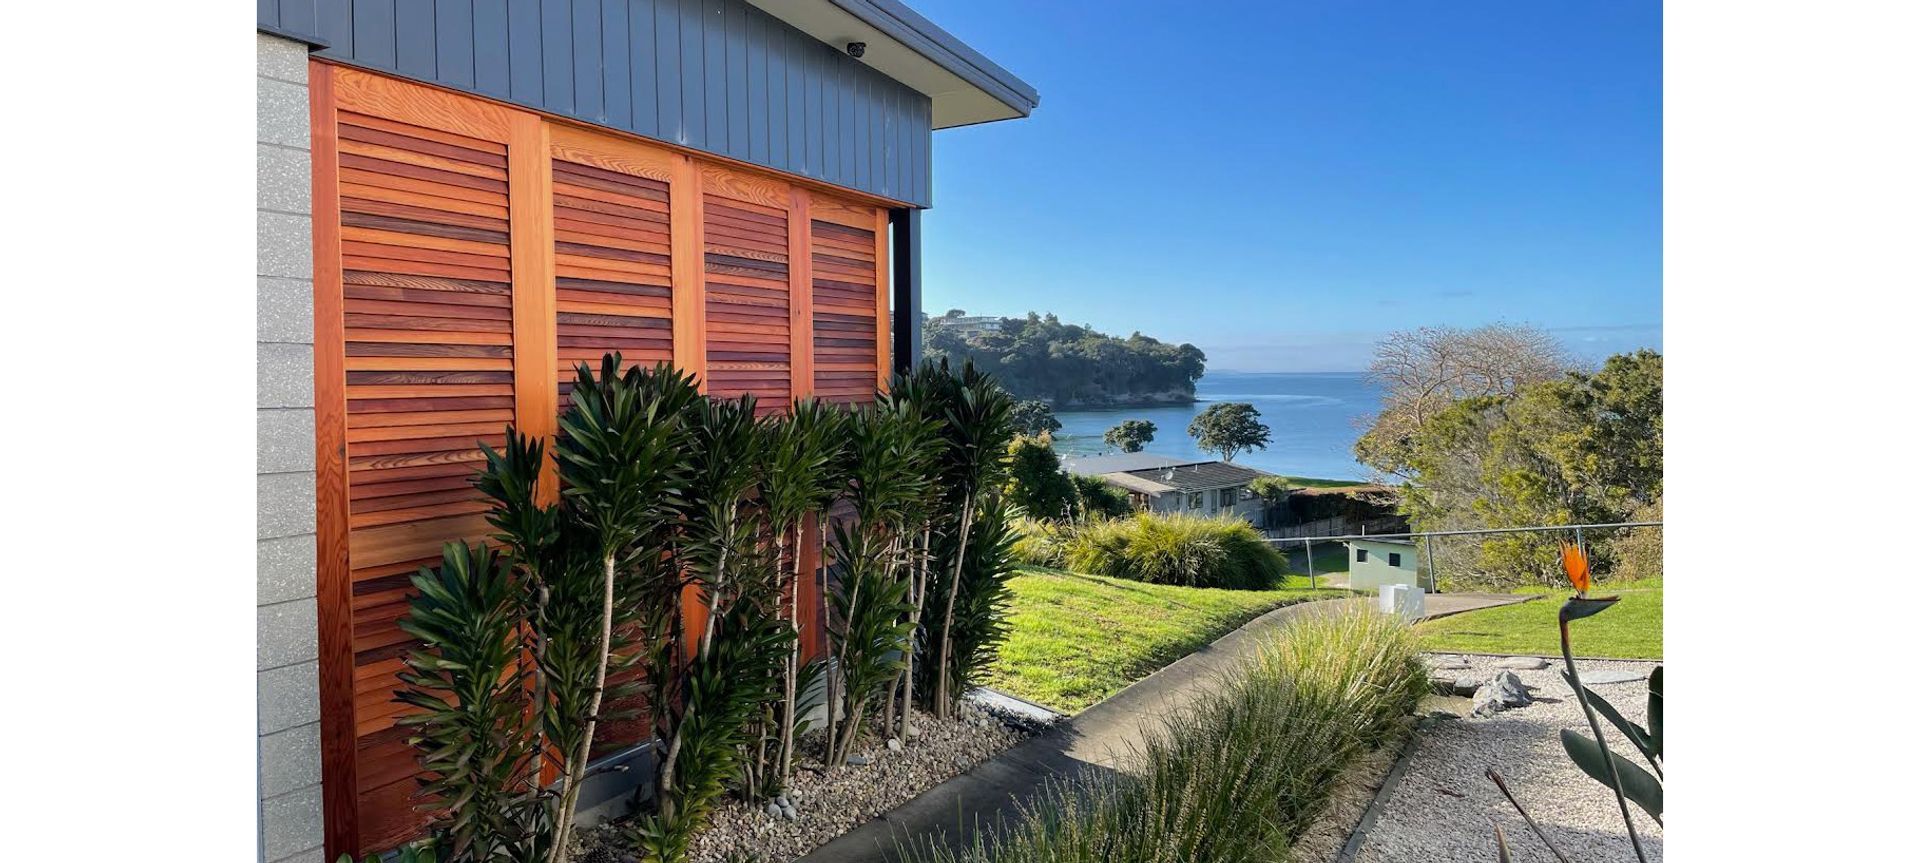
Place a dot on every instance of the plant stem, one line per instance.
(792, 668)
(833, 653)
(942, 704)
(577, 765)
(918, 594)
(1502, 784)
(1580, 693)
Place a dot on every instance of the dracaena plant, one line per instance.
(916, 401)
(871, 608)
(979, 617)
(465, 682)
(619, 458)
(800, 450)
(868, 614)
(978, 425)
(725, 550)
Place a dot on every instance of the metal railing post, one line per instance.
(1433, 570)
(1313, 581)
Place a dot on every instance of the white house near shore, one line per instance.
(1167, 485)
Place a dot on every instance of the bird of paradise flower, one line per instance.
(1625, 778)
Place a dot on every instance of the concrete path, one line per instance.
(1094, 740)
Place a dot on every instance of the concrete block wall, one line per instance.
(288, 670)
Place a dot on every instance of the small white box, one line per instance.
(1403, 599)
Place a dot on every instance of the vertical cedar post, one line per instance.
(689, 270)
(536, 367)
(800, 293)
(333, 584)
(906, 287)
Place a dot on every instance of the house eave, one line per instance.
(966, 88)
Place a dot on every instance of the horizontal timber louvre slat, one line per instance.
(467, 255)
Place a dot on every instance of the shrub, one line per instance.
(1040, 543)
(1099, 499)
(1637, 552)
(1176, 549)
(1035, 482)
(1240, 774)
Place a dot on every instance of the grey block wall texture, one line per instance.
(289, 682)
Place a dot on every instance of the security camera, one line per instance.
(856, 49)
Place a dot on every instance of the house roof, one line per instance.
(965, 86)
(1095, 465)
(1405, 542)
(1200, 476)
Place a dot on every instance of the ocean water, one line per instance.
(1314, 418)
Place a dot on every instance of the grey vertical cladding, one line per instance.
(373, 34)
(589, 82)
(492, 76)
(455, 42)
(720, 76)
(754, 109)
(713, 73)
(556, 56)
(616, 64)
(523, 52)
(692, 75)
(417, 58)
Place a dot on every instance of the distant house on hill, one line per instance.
(968, 326)
(1158, 483)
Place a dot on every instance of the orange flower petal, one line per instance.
(1574, 561)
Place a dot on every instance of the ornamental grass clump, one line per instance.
(1184, 550)
(1240, 774)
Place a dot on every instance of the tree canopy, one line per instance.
(1581, 447)
(1131, 435)
(1069, 365)
(1034, 418)
(1229, 428)
(1425, 371)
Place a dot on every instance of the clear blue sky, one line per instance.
(1281, 182)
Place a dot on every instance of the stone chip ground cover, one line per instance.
(1443, 808)
(829, 802)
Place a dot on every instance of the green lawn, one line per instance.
(1075, 639)
(1329, 558)
(1629, 630)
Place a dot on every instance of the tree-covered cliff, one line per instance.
(1038, 357)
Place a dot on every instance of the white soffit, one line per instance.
(956, 102)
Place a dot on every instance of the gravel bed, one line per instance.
(828, 803)
(1444, 807)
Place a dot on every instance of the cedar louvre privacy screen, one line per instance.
(467, 255)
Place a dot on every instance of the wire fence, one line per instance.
(1439, 549)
